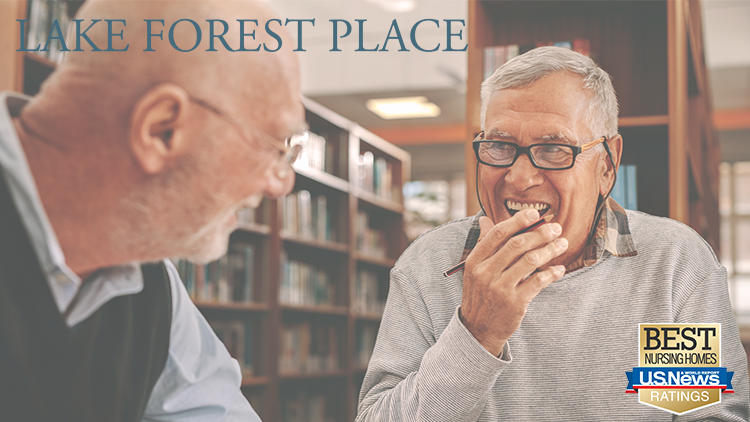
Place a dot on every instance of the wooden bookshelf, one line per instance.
(654, 52)
(265, 315)
(339, 256)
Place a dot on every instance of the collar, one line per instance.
(612, 235)
(74, 299)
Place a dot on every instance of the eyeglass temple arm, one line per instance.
(597, 142)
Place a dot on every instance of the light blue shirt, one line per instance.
(201, 381)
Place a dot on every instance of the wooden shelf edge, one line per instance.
(376, 201)
(312, 309)
(323, 178)
(731, 119)
(254, 381)
(233, 306)
(368, 317)
(327, 114)
(39, 59)
(314, 243)
(254, 228)
(313, 375)
(376, 141)
(633, 121)
(422, 135)
(383, 262)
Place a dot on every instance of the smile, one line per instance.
(514, 207)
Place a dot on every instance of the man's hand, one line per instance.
(496, 291)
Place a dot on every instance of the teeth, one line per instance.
(517, 206)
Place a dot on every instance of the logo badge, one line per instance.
(679, 367)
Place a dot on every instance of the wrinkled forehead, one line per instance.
(551, 109)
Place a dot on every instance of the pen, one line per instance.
(458, 267)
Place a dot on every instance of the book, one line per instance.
(625, 191)
(246, 215)
(370, 241)
(241, 269)
(237, 338)
(313, 154)
(307, 216)
(367, 296)
(304, 213)
(48, 22)
(306, 406)
(305, 285)
(496, 56)
(365, 344)
(308, 347)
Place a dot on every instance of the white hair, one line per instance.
(527, 68)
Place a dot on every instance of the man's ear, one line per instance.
(156, 120)
(607, 171)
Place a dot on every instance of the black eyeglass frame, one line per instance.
(577, 150)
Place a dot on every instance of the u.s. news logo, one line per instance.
(679, 367)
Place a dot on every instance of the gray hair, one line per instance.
(527, 68)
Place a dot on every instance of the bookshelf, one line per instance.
(319, 261)
(654, 52)
(319, 266)
(289, 299)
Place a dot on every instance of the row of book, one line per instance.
(306, 406)
(316, 152)
(307, 216)
(496, 56)
(375, 175)
(238, 339)
(625, 191)
(228, 279)
(246, 215)
(308, 347)
(303, 284)
(48, 23)
(365, 344)
(370, 241)
(367, 296)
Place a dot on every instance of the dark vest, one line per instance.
(101, 370)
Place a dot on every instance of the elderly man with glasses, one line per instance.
(122, 160)
(543, 325)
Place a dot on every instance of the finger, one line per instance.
(485, 225)
(501, 232)
(539, 281)
(517, 247)
(536, 258)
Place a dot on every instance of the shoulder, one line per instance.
(438, 248)
(663, 237)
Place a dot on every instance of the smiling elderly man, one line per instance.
(543, 326)
(129, 157)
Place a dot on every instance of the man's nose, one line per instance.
(523, 175)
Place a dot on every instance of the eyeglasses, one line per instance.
(547, 156)
(288, 154)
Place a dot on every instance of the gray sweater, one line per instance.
(568, 359)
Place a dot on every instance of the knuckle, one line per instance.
(548, 232)
(531, 258)
(537, 281)
(498, 232)
(552, 250)
(516, 242)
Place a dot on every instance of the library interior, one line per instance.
(299, 296)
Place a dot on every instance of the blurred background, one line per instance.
(299, 297)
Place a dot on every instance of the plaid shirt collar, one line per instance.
(612, 235)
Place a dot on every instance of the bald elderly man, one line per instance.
(127, 158)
